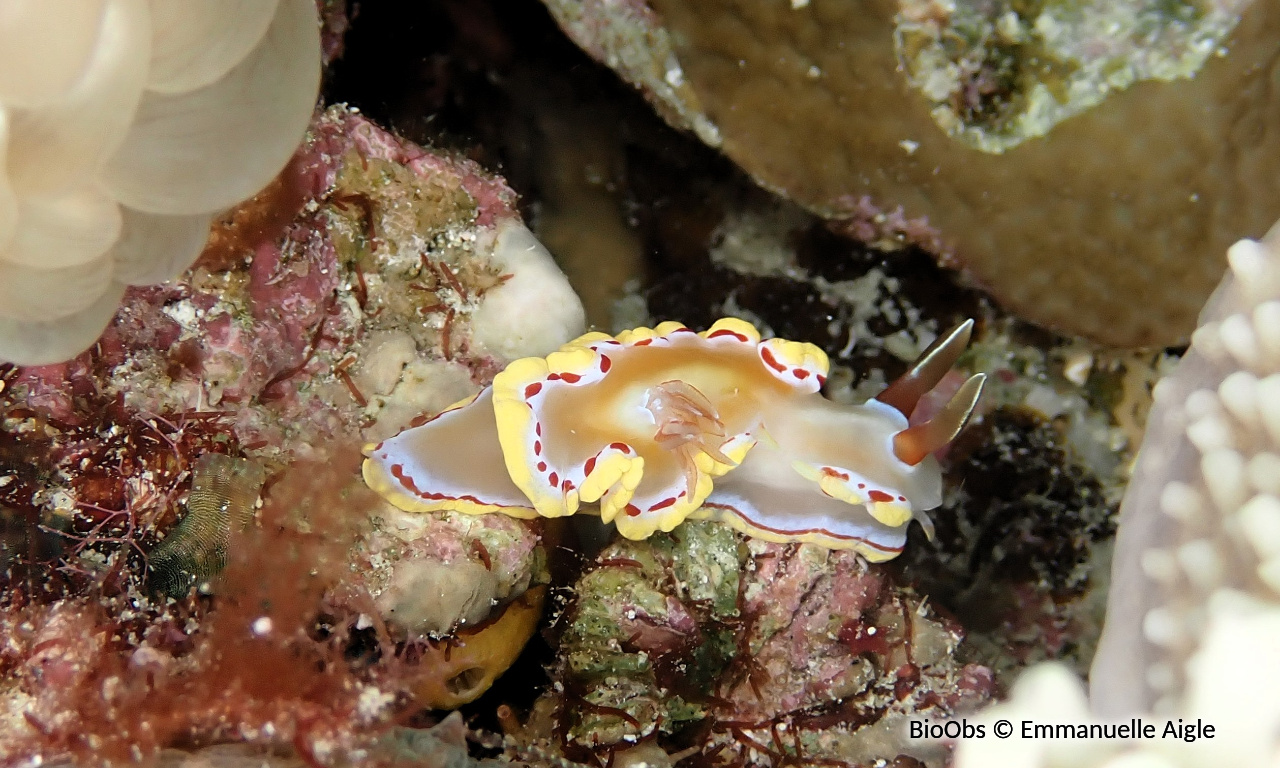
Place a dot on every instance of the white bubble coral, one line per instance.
(125, 127)
(1193, 615)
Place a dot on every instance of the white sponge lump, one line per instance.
(535, 311)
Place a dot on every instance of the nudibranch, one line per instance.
(661, 424)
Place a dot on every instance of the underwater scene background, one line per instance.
(639, 382)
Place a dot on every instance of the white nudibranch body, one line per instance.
(125, 127)
(659, 425)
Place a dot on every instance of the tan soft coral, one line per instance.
(1138, 195)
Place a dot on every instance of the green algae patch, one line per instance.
(651, 629)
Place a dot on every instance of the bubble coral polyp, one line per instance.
(658, 425)
(126, 126)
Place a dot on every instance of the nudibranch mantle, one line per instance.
(661, 424)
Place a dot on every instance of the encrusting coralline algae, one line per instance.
(745, 651)
(334, 307)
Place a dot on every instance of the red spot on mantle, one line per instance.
(589, 466)
(880, 496)
(554, 479)
(663, 504)
(727, 332)
(632, 510)
(605, 364)
(800, 373)
(770, 360)
(620, 447)
(532, 389)
(397, 471)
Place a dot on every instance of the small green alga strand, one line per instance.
(224, 492)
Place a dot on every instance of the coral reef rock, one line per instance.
(736, 649)
(1069, 156)
(335, 306)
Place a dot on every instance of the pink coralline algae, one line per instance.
(270, 324)
(332, 308)
(741, 652)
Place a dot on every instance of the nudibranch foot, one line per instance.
(769, 498)
(658, 424)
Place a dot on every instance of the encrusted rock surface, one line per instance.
(1138, 195)
(726, 648)
(329, 310)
